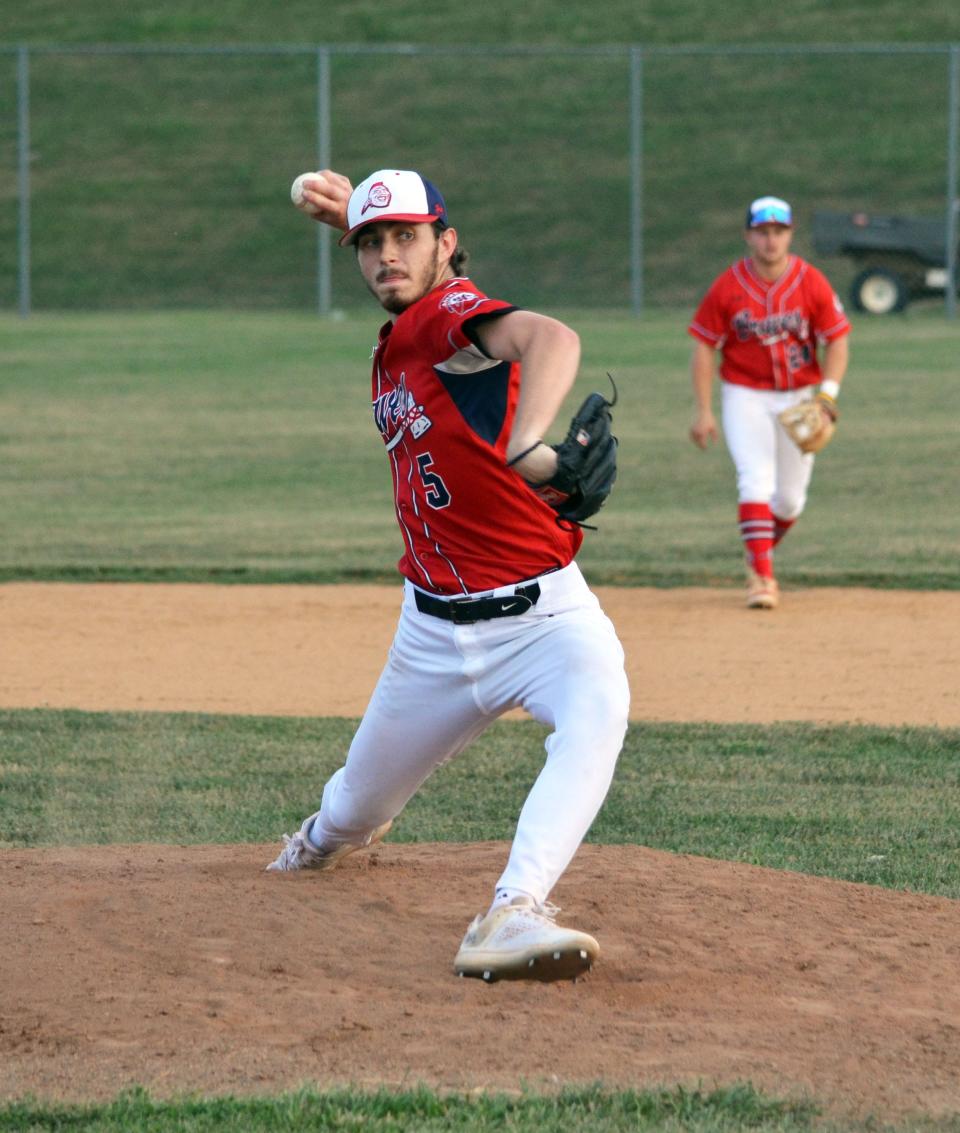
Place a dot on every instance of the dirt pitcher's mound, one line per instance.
(189, 969)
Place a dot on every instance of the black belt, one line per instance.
(465, 611)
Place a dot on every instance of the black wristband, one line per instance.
(526, 452)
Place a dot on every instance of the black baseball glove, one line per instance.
(586, 462)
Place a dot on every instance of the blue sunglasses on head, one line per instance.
(770, 215)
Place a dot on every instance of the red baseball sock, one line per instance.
(781, 527)
(757, 533)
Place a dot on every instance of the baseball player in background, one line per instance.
(495, 612)
(766, 315)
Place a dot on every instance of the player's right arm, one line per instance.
(704, 427)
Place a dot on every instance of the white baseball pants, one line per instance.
(770, 467)
(444, 684)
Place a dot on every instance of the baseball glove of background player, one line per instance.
(811, 424)
(586, 462)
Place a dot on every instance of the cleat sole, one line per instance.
(553, 967)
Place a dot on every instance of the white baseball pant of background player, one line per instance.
(444, 684)
(770, 468)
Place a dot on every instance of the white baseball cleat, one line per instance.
(300, 853)
(762, 593)
(521, 941)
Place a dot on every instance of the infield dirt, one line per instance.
(187, 969)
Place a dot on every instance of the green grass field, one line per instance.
(865, 804)
(571, 1111)
(212, 446)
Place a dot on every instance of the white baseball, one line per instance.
(296, 189)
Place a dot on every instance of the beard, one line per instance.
(414, 287)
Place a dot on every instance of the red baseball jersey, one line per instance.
(768, 332)
(445, 411)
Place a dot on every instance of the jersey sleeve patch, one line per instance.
(461, 302)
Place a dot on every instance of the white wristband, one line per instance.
(830, 388)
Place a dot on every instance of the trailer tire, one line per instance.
(879, 291)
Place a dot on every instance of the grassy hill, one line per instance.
(160, 179)
(495, 23)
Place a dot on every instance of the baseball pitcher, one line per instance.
(495, 613)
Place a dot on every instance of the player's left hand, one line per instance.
(586, 463)
(811, 424)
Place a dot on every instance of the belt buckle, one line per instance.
(455, 605)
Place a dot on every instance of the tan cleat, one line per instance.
(300, 853)
(762, 593)
(521, 941)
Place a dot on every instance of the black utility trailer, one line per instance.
(900, 257)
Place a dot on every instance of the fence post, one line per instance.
(636, 179)
(23, 177)
(324, 288)
(953, 188)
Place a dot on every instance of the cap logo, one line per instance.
(378, 197)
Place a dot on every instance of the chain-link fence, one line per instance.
(607, 177)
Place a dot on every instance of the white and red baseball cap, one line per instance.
(769, 210)
(393, 194)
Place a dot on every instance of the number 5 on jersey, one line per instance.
(435, 490)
